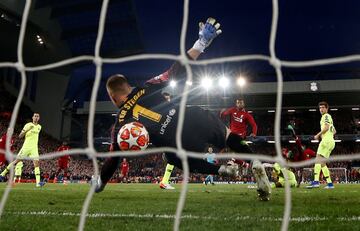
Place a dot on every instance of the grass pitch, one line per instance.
(146, 207)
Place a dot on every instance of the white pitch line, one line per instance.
(169, 216)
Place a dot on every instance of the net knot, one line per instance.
(275, 62)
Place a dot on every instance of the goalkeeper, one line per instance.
(147, 105)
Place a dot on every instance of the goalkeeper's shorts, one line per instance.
(325, 148)
(32, 153)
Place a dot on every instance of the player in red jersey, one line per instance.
(301, 153)
(63, 163)
(124, 170)
(3, 146)
(239, 120)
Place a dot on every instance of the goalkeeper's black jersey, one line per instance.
(148, 106)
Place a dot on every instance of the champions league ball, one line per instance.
(133, 136)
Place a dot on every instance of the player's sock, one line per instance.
(317, 169)
(238, 144)
(326, 173)
(168, 170)
(37, 175)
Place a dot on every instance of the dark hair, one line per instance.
(116, 83)
(166, 94)
(323, 103)
(240, 99)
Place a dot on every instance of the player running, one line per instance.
(63, 163)
(147, 105)
(30, 148)
(326, 145)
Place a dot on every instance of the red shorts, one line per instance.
(124, 173)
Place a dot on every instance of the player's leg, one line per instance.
(211, 178)
(34, 154)
(325, 169)
(18, 171)
(164, 184)
(7, 169)
(107, 171)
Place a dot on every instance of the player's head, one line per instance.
(36, 117)
(210, 149)
(118, 89)
(167, 96)
(323, 107)
(240, 103)
(124, 160)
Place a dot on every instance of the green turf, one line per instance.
(146, 207)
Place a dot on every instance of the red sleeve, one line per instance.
(252, 122)
(227, 112)
(176, 71)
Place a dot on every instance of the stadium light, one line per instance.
(312, 109)
(206, 83)
(172, 84)
(241, 81)
(314, 141)
(271, 141)
(189, 83)
(355, 109)
(224, 82)
(292, 141)
(357, 140)
(291, 110)
(337, 141)
(249, 142)
(250, 112)
(333, 109)
(271, 111)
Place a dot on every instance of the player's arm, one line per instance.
(251, 121)
(325, 128)
(207, 32)
(226, 112)
(25, 130)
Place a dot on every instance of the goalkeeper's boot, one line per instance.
(166, 186)
(314, 184)
(329, 186)
(262, 181)
(231, 169)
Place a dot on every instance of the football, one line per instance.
(133, 136)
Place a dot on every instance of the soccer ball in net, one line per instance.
(133, 136)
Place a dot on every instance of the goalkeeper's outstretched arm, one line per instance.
(207, 32)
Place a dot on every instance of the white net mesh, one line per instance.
(98, 61)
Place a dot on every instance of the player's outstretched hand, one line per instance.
(207, 32)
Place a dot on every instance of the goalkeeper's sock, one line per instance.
(167, 174)
(37, 175)
(238, 144)
(317, 169)
(326, 173)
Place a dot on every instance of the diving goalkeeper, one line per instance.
(160, 118)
